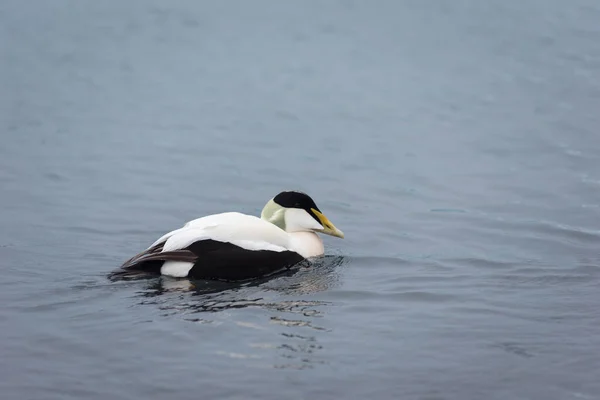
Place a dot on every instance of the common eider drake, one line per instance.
(234, 246)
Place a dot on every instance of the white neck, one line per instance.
(307, 244)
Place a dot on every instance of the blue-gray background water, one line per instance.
(455, 143)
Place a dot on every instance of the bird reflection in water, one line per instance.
(284, 295)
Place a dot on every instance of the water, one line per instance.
(455, 143)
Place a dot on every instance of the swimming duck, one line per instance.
(234, 246)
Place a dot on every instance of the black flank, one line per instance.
(212, 260)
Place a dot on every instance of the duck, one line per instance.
(233, 246)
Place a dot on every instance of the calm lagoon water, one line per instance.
(455, 143)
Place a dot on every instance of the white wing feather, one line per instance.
(204, 222)
(246, 231)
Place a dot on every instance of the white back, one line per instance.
(209, 220)
(245, 231)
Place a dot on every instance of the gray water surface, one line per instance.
(455, 143)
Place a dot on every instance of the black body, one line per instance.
(213, 260)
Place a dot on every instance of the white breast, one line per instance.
(307, 244)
